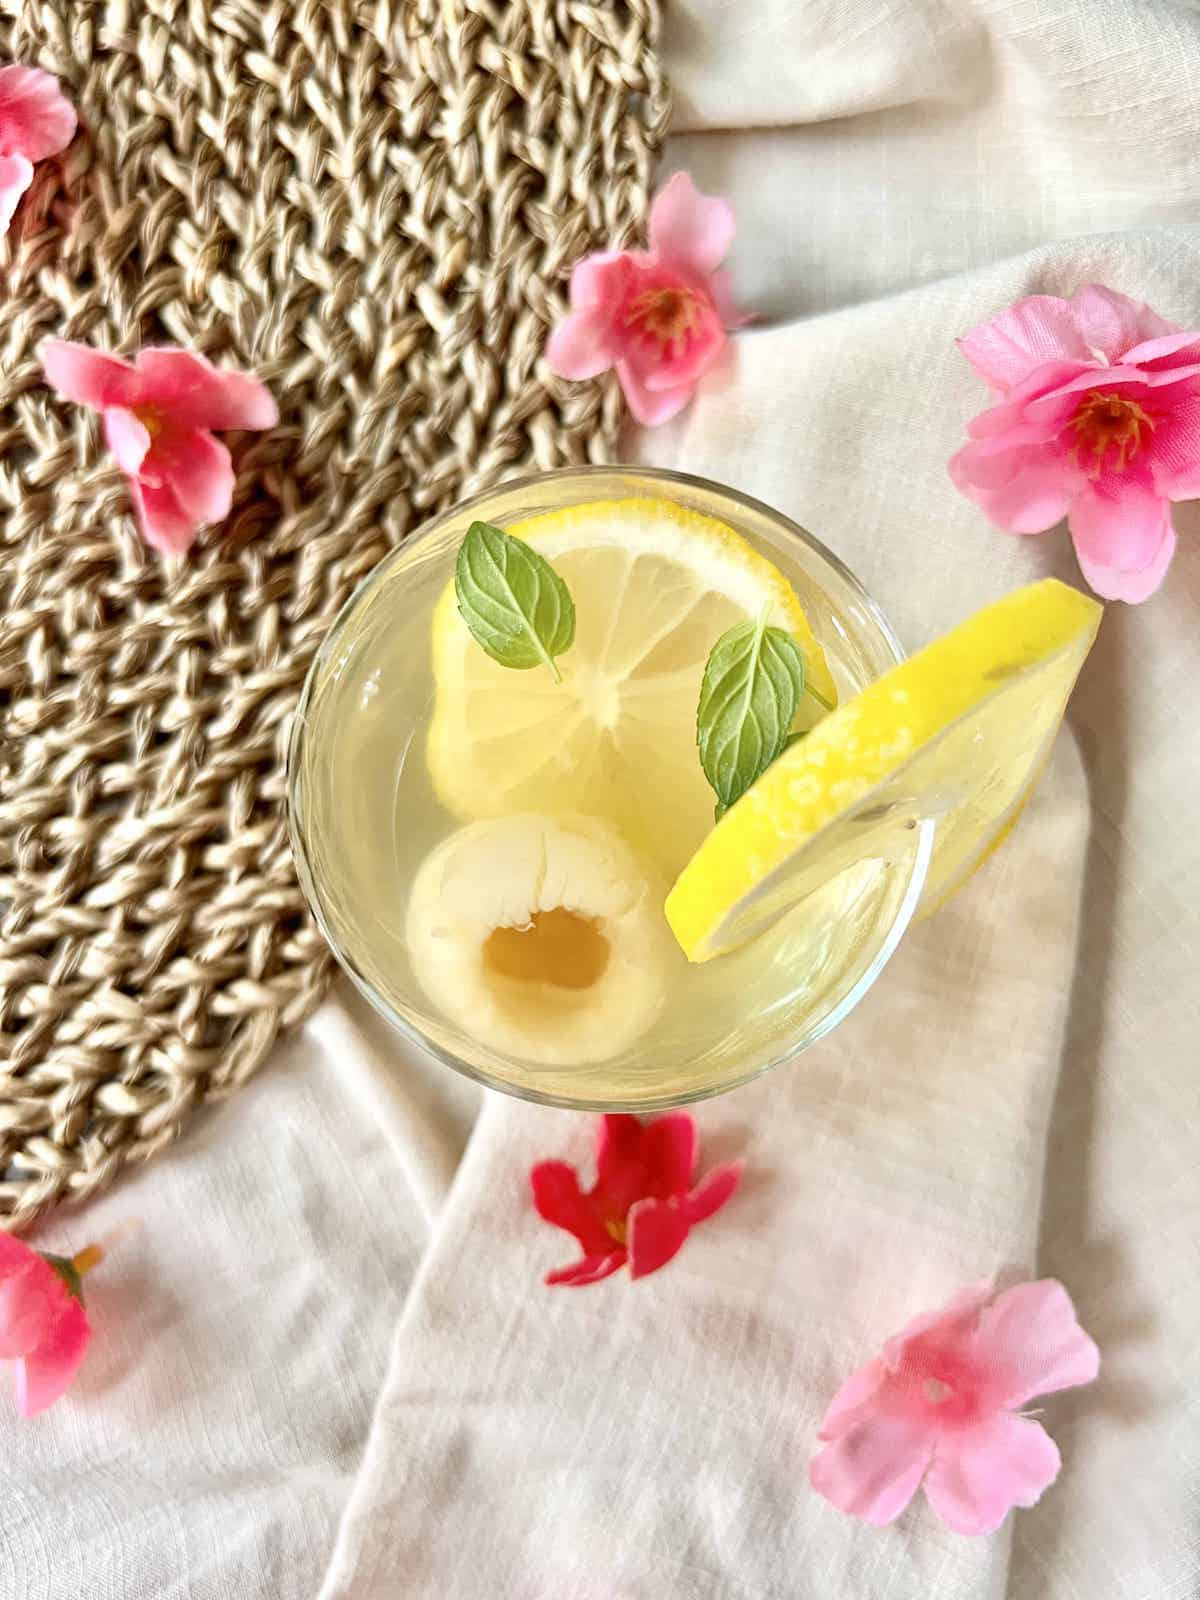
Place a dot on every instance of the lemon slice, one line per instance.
(957, 734)
(655, 585)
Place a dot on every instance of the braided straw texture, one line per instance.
(374, 205)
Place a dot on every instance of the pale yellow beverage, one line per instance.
(433, 792)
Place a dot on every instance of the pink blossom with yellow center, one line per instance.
(645, 1200)
(940, 1406)
(1096, 418)
(159, 412)
(44, 1330)
(659, 315)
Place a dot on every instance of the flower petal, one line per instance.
(36, 118)
(948, 1324)
(590, 1270)
(688, 229)
(31, 1302)
(197, 467)
(1175, 450)
(872, 1469)
(15, 1254)
(993, 463)
(1172, 351)
(855, 1393)
(580, 347)
(601, 280)
(682, 367)
(626, 1164)
(88, 377)
(43, 1376)
(1123, 537)
(165, 525)
(1031, 1343)
(1009, 417)
(558, 1199)
(618, 1149)
(1037, 329)
(1112, 583)
(657, 1229)
(651, 407)
(1026, 489)
(127, 438)
(192, 393)
(16, 174)
(978, 1475)
(720, 288)
(668, 1155)
(707, 1198)
(1112, 323)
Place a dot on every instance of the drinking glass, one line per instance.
(364, 814)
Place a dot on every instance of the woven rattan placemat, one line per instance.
(372, 205)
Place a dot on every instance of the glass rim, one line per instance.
(637, 476)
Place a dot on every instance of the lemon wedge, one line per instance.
(655, 585)
(957, 734)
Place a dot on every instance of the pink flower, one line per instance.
(1098, 420)
(658, 315)
(43, 1326)
(642, 1206)
(36, 121)
(157, 416)
(939, 1405)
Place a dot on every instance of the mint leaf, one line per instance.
(512, 600)
(752, 684)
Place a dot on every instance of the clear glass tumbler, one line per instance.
(364, 815)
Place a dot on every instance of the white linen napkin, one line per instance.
(675, 1457)
(1004, 1098)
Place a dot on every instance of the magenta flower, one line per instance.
(158, 413)
(939, 1405)
(642, 1206)
(43, 1326)
(36, 121)
(659, 315)
(1098, 420)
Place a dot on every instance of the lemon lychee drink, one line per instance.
(612, 788)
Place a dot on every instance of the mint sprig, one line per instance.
(753, 682)
(512, 600)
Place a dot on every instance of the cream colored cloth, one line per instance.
(1014, 1094)
(654, 1440)
(241, 1330)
